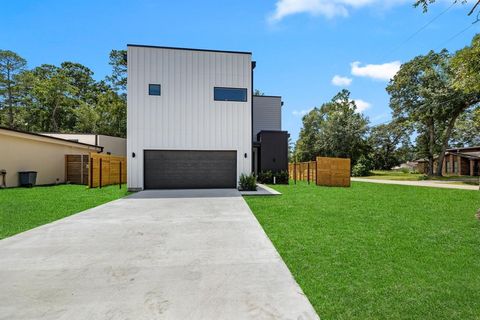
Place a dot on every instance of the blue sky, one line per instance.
(299, 45)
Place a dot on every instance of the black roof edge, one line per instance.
(282, 131)
(189, 49)
(266, 96)
(49, 137)
(464, 148)
(82, 134)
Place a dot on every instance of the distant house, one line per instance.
(457, 162)
(111, 145)
(26, 151)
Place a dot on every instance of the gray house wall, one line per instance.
(273, 154)
(267, 114)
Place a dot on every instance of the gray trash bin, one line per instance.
(27, 178)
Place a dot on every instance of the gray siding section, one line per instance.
(267, 114)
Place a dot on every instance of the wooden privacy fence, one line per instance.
(105, 169)
(76, 168)
(96, 169)
(334, 172)
(303, 171)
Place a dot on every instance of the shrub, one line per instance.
(266, 177)
(247, 182)
(362, 167)
(281, 177)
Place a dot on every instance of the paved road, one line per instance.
(155, 255)
(420, 183)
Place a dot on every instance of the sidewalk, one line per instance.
(420, 183)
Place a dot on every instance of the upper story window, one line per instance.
(230, 94)
(154, 90)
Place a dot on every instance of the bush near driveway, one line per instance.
(26, 208)
(377, 251)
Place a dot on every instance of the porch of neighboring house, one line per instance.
(459, 164)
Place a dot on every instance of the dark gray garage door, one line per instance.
(168, 169)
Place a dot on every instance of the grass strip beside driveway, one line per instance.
(377, 251)
(22, 209)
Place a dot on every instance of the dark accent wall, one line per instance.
(273, 153)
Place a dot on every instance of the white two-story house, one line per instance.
(190, 121)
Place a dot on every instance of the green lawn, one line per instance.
(25, 208)
(377, 251)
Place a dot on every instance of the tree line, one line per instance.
(435, 104)
(64, 98)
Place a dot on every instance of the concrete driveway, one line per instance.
(190, 254)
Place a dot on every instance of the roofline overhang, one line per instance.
(188, 49)
(52, 139)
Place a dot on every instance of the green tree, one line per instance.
(335, 129)
(118, 78)
(112, 111)
(390, 144)
(307, 147)
(53, 95)
(467, 129)
(11, 65)
(426, 3)
(466, 67)
(422, 93)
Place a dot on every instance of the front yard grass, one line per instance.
(25, 208)
(376, 251)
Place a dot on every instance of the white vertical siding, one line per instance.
(185, 116)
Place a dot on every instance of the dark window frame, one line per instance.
(150, 85)
(245, 90)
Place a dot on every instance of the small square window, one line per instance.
(154, 89)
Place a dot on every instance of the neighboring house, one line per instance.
(25, 151)
(193, 122)
(457, 161)
(111, 145)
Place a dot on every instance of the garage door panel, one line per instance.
(175, 169)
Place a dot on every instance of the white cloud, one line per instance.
(341, 81)
(362, 105)
(384, 71)
(301, 113)
(327, 8)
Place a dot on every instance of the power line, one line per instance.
(420, 29)
(456, 35)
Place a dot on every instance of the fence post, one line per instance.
(120, 175)
(295, 172)
(91, 172)
(308, 172)
(100, 173)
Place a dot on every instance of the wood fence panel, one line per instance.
(76, 168)
(111, 166)
(334, 172)
(303, 171)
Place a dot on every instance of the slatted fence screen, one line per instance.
(76, 168)
(325, 171)
(106, 169)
